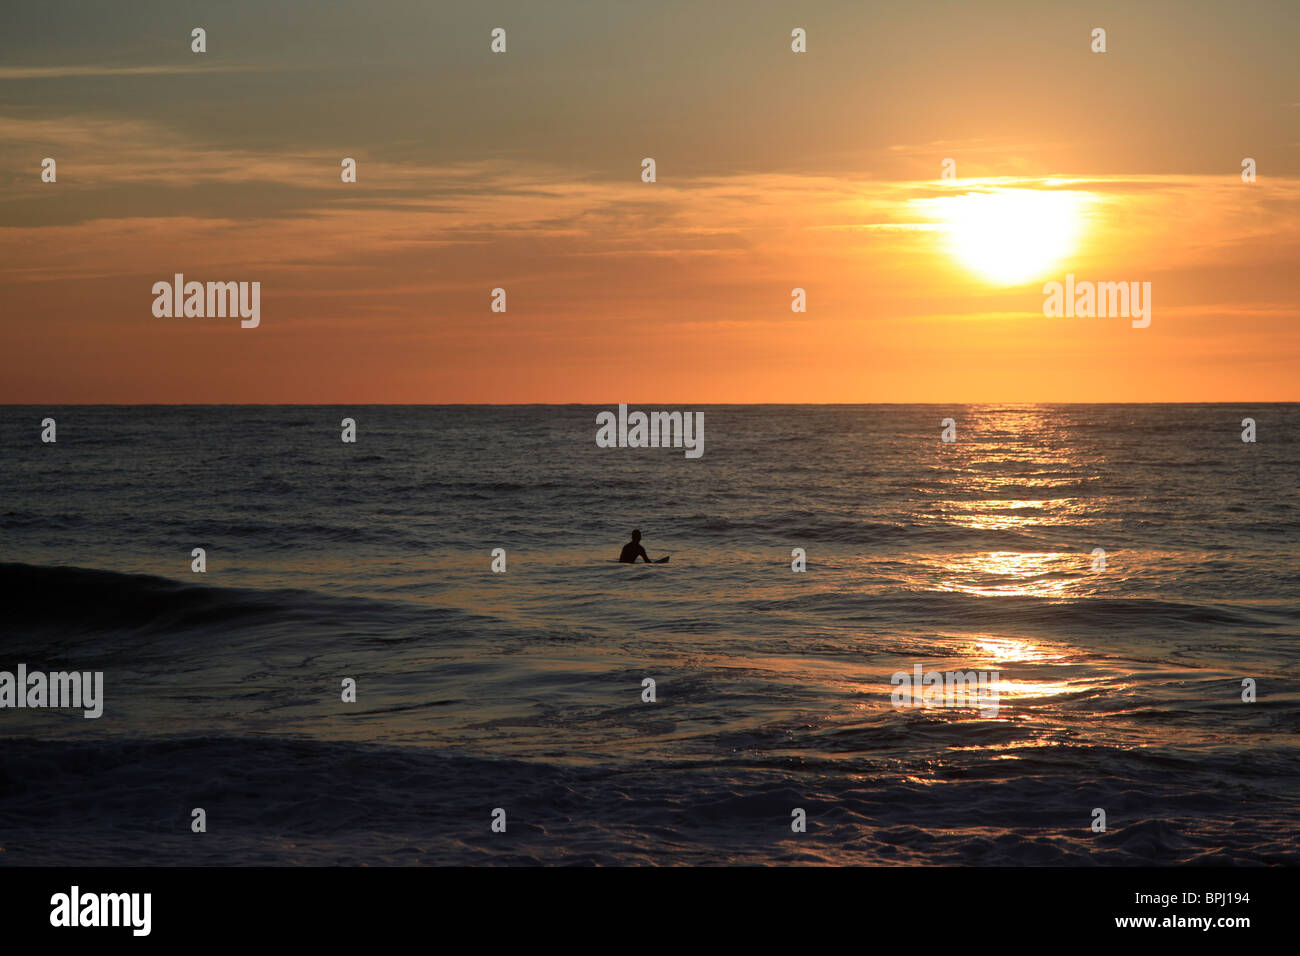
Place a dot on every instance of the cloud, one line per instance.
(59, 72)
(139, 200)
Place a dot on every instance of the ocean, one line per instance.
(1118, 689)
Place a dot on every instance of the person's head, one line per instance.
(636, 535)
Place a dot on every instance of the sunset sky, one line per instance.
(522, 170)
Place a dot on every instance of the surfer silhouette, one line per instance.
(634, 549)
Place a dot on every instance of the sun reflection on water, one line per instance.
(1013, 574)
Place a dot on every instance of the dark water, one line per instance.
(1118, 689)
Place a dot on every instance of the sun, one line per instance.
(1010, 236)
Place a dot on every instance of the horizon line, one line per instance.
(1243, 401)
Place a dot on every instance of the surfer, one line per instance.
(634, 549)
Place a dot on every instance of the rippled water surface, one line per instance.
(1117, 689)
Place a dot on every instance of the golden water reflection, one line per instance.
(982, 515)
(1006, 650)
(1051, 574)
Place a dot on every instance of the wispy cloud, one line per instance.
(58, 72)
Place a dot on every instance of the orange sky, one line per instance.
(522, 170)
